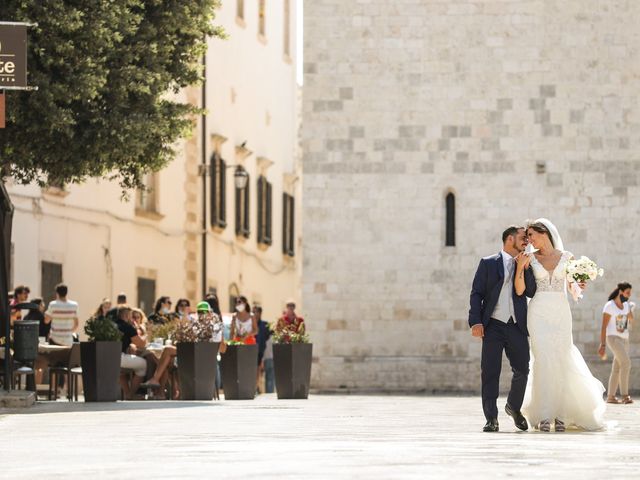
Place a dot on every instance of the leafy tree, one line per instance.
(105, 70)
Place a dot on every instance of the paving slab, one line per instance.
(327, 436)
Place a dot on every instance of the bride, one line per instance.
(561, 388)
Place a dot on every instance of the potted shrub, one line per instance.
(291, 358)
(240, 370)
(100, 360)
(197, 341)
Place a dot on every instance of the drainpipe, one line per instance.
(204, 173)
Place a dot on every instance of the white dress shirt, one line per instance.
(504, 308)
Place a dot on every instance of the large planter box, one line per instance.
(292, 366)
(197, 366)
(100, 370)
(239, 372)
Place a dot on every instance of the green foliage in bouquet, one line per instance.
(165, 331)
(101, 329)
(289, 332)
(200, 329)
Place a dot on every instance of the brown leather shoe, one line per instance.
(627, 399)
(613, 400)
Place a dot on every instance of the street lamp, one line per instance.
(240, 179)
(240, 176)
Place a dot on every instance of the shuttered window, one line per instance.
(240, 9)
(288, 224)
(146, 294)
(51, 276)
(218, 191)
(264, 211)
(242, 210)
(287, 28)
(262, 21)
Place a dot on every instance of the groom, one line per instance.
(499, 316)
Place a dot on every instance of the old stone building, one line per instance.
(429, 126)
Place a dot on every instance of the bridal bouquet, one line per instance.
(581, 270)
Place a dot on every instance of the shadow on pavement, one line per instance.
(74, 407)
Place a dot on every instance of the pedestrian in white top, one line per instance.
(62, 314)
(617, 316)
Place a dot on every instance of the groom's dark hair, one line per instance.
(511, 230)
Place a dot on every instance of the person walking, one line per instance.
(498, 315)
(617, 316)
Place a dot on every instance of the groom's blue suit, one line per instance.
(498, 335)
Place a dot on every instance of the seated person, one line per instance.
(170, 352)
(131, 341)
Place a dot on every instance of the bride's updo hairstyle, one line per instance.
(621, 288)
(540, 228)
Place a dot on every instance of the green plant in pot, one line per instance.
(100, 360)
(197, 339)
(102, 329)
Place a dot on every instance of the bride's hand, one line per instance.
(522, 261)
(582, 285)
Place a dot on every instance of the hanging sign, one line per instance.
(13, 56)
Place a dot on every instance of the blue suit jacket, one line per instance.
(486, 290)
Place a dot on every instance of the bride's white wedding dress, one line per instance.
(560, 384)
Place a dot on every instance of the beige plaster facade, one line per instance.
(105, 245)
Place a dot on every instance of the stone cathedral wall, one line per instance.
(521, 109)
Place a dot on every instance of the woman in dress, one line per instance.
(617, 317)
(561, 388)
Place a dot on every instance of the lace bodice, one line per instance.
(551, 281)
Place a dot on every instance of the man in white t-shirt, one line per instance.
(62, 314)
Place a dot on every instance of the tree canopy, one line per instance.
(105, 70)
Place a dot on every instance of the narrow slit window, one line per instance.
(450, 205)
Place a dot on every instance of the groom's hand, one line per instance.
(477, 330)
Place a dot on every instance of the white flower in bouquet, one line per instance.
(582, 269)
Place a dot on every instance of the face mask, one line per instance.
(240, 307)
(165, 310)
(623, 298)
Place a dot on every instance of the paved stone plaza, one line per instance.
(324, 437)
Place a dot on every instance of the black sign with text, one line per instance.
(13, 56)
